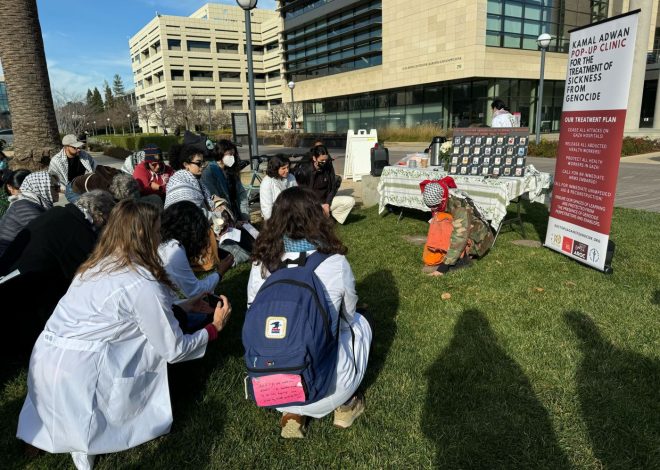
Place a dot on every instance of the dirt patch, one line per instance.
(527, 243)
(415, 239)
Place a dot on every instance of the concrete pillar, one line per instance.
(639, 63)
(493, 88)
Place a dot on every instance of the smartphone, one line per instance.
(212, 300)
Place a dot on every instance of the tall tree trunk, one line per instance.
(36, 137)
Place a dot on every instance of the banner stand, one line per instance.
(598, 77)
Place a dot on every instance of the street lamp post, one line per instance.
(248, 5)
(131, 121)
(543, 42)
(292, 85)
(107, 128)
(94, 130)
(208, 105)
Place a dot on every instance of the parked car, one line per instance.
(8, 136)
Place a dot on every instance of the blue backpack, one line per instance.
(289, 338)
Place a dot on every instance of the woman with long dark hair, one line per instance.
(98, 373)
(277, 180)
(222, 178)
(298, 225)
(184, 240)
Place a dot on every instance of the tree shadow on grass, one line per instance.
(481, 410)
(379, 291)
(618, 393)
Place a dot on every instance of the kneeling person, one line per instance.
(298, 243)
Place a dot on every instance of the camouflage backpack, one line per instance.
(471, 235)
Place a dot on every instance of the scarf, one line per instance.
(184, 186)
(297, 246)
(36, 188)
(435, 193)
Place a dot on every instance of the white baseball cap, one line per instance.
(72, 141)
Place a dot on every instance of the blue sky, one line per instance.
(87, 41)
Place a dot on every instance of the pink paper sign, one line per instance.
(277, 389)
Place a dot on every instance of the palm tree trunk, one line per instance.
(36, 137)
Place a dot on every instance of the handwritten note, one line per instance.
(278, 389)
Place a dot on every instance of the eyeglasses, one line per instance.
(199, 163)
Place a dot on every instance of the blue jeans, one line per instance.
(70, 194)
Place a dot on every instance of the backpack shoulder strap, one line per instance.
(315, 260)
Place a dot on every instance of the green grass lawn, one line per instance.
(536, 361)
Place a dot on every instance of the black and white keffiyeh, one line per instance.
(184, 186)
(36, 188)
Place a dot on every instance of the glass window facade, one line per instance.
(447, 105)
(517, 23)
(345, 40)
(5, 117)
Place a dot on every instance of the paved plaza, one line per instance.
(637, 188)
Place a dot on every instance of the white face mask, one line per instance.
(229, 160)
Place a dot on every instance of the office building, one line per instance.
(183, 61)
(361, 64)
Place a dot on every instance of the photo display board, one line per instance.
(489, 152)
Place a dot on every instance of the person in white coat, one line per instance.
(501, 115)
(297, 225)
(277, 180)
(97, 381)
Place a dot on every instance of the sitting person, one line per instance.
(299, 227)
(132, 161)
(184, 239)
(70, 162)
(152, 174)
(97, 381)
(468, 236)
(318, 175)
(41, 261)
(222, 178)
(277, 180)
(38, 193)
(11, 182)
(185, 184)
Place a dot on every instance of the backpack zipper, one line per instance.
(279, 369)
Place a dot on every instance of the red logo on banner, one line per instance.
(567, 245)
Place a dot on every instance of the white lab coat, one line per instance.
(98, 373)
(337, 278)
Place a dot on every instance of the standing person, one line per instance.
(222, 178)
(501, 115)
(70, 162)
(277, 180)
(152, 174)
(38, 193)
(298, 226)
(318, 175)
(97, 381)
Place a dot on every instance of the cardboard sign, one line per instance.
(598, 77)
(278, 389)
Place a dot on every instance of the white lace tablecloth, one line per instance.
(399, 186)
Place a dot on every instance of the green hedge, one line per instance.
(138, 142)
(630, 146)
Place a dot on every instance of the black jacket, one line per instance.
(47, 252)
(18, 215)
(324, 183)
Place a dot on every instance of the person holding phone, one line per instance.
(97, 381)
